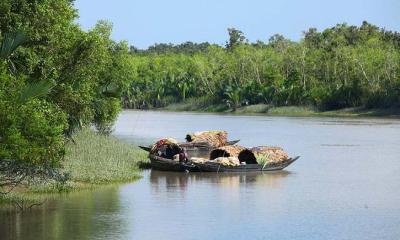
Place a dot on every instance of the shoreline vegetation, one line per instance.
(341, 67)
(290, 111)
(92, 160)
(55, 79)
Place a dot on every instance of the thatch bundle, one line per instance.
(226, 151)
(242, 153)
(213, 138)
(198, 160)
(227, 161)
(255, 155)
(270, 154)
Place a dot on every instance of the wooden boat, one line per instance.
(215, 167)
(194, 146)
(165, 164)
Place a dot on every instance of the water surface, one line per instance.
(346, 185)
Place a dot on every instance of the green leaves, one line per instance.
(10, 42)
(340, 67)
(35, 90)
(111, 90)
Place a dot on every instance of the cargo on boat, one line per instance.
(212, 138)
(170, 155)
(240, 159)
(202, 141)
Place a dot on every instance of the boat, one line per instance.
(194, 146)
(202, 155)
(165, 164)
(216, 167)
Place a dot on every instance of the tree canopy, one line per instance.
(342, 66)
(55, 78)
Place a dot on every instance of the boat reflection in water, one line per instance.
(164, 179)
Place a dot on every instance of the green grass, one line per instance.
(292, 111)
(100, 159)
(256, 108)
(197, 105)
(271, 110)
(262, 159)
(361, 112)
(91, 161)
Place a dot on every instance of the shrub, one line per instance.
(106, 111)
(32, 132)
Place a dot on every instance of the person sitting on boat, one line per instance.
(179, 153)
(169, 148)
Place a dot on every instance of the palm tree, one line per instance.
(9, 44)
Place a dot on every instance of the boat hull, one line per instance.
(214, 167)
(164, 164)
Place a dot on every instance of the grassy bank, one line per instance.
(197, 105)
(91, 160)
(265, 109)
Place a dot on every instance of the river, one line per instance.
(346, 185)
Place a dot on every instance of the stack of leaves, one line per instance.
(226, 151)
(226, 161)
(269, 154)
(213, 138)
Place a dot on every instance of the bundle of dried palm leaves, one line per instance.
(226, 151)
(270, 154)
(241, 153)
(226, 161)
(213, 138)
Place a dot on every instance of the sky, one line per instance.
(146, 22)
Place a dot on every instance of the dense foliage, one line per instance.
(54, 78)
(343, 66)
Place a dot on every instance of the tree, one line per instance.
(342, 66)
(236, 37)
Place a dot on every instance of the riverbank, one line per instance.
(296, 111)
(92, 160)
